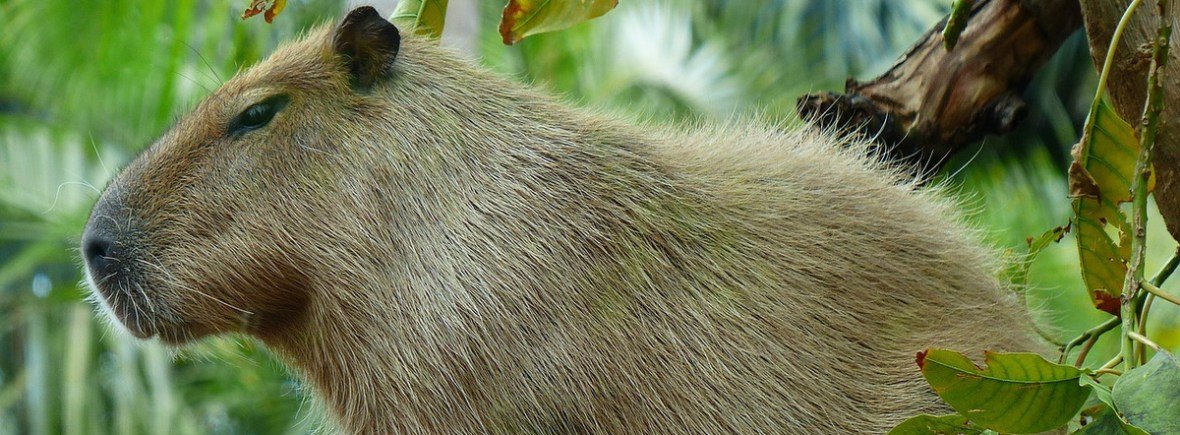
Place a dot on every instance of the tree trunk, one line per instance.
(1128, 85)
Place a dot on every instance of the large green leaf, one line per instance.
(1100, 180)
(1149, 396)
(425, 17)
(926, 424)
(1016, 393)
(528, 17)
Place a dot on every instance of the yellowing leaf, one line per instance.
(425, 17)
(1016, 393)
(1018, 268)
(268, 8)
(529, 17)
(1099, 180)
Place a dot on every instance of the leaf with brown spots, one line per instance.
(425, 17)
(1099, 180)
(1015, 393)
(529, 17)
(268, 8)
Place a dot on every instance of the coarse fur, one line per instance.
(448, 251)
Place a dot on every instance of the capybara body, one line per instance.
(436, 249)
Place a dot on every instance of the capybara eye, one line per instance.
(258, 115)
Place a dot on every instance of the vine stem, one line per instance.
(1089, 338)
(1147, 299)
(1118, 359)
(1087, 131)
(1148, 125)
(1106, 63)
(1101, 372)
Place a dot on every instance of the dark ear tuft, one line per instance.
(368, 44)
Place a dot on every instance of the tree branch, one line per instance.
(933, 102)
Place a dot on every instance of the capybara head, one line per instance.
(208, 230)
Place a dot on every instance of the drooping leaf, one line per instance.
(529, 17)
(956, 23)
(1101, 391)
(425, 17)
(1107, 422)
(1019, 267)
(1099, 180)
(268, 8)
(1149, 396)
(1015, 393)
(926, 424)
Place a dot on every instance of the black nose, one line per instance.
(105, 239)
(100, 256)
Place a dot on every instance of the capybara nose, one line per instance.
(104, 241)
(100, 256)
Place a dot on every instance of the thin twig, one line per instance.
(1089, 338)
(1157, 292)
(1108, 372)
(1144, 340)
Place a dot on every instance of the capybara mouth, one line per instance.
(126, 303)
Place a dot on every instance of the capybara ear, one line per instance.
(368, 44)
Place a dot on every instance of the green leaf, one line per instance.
(425, 17)
(926, 424)
(1107, 422)
(1016, 393)
(1099, 180)
(529, 17)
(1101, 391)
(1149, 396)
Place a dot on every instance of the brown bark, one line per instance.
(1128, 85)
(934, 102)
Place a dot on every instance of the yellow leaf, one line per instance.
(425, 17)
(1099, 180)
(528, 17)
(268, 8)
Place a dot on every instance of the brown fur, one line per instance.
(453, 252)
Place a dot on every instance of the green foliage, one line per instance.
(86, 85)
(1112, 165)
(1015, 393)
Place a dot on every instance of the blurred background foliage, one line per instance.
(84, 85)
